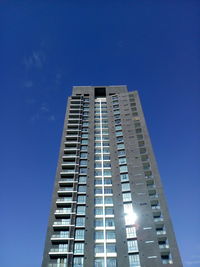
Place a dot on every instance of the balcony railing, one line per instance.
(161, 232)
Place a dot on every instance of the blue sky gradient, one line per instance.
(46, 47)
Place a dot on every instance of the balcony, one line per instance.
(67, 181)
(61, 237)
(64, 200)
(62, 224)
(160, 232)
(160, 219)
(66, 190)
(63, 212)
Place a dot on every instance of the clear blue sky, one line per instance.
(46, 47)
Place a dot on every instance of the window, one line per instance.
(99, 235)
(110, 248)
(82, 189)
(119, 133)
(80, 210)
(85, 123)
(126, 197)
(80, 221)
(132, 246)
(110, 235)
(120, 146)
(98, 200)
(120, 139)
(98, 181)
(126, 187)
(83, 170)
(78, 261)
(78, 248)
(134, 260)
(81, 199)
(122, 160)
(123, 169)
(99, 248)
(124, 177)
(108, 191)
(98, 191)
(83, 155)
(82, 179)
(110, 222)
(99, 223)
(131, 232)
(116, 116)
(108, 200)
(79, 234)
(83, 148)
(107, 181)
(98, 211)
(106, 173)
(99, 262)
(118, 121)
(109, 211)
(111, 262)
(83, 162)
(118, 127)
(121, 153)
(84, 141)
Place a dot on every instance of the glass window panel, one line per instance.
(83, 155)
(108, 200)
(99, 262)
(81, 199)
(110, 248)
(123, 169)
(124, 177)
(98, 200)
(110, 222)
(98, 191)
(98, 222)
(82, 179)
(118, 127)
(78, 261)
(134, 260)
(132, 246)
(84, 141)
(126, 187)
(79, 234)
(108, 190)
(110, 235)
(78, 248)
(98, 211)
(80, 210)
(109, 211)
(119, 133)
(99, 235)
(83, 170)
(83, 162)
(122, 160)
(99, 248)
(80, 221)
(126, 197)
(121, 153)
(120, 146)
(131, 232)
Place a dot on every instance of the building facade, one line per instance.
(108, 206)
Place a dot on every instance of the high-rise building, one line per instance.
(108, 206)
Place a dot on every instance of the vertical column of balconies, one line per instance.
(64, 215)
(130, 216)
(105, 248)
(151, 187)
(79, 234)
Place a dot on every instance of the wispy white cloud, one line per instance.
(43, 113)
(36, 59)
